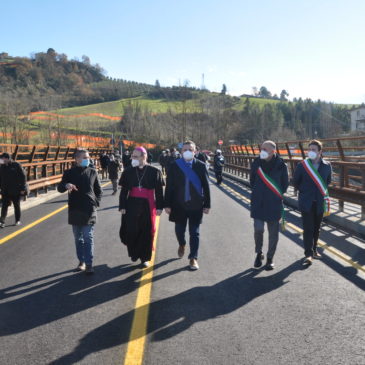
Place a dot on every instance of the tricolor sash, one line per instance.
(321, 185)
(274, 187)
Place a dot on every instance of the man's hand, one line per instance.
(71, 187)
(158, 212)
(206, 210)
(122, 211)
(22, 192)
(168, 211)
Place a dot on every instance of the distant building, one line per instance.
(358, 118)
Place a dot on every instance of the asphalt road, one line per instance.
(225, 313)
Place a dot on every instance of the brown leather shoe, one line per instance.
(181, 251)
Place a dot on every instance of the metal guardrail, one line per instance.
(347, 156)
(44, 165)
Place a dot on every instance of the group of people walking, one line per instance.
(186, 198)
(269, 181)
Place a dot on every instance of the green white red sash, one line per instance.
(318, 181)
(274, 187)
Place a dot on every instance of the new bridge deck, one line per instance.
(225, 313)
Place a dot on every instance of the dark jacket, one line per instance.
(308, 191)
(175, 192)
(162, 160)
(218, 163)
(126, 160)
(82, 204)
(265, 205)
(12, 179)
(202, 157)
(104, 161)
(113, 169)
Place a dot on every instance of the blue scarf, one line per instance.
(190, 177)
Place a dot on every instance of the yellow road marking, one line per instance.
(321, 243)
(38, 221)
(137, 339)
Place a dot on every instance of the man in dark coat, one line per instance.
(187, 197)
(113, 170)
(126, 159)
(171, 157)
(218, 166)
(269, 181)
(162, 161)
(200, 155)
(311, 201)
(83, 185)
(104, 162)
(12, 185)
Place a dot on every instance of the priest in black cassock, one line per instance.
(140, 201)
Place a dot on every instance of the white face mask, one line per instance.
(264, 155)
(135, 163)
(312, 155)
(188, 155)
(1, 161)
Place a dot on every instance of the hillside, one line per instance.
(48, 80)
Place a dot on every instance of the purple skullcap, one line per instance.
(141, 149)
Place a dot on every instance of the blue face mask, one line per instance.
(85, 162)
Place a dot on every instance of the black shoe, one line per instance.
(89, 270)
(258, 260)
(269, 265)
(2, 225)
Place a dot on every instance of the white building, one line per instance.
(358, 119)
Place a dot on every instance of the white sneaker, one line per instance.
(146, 264)
(19, 223)
(193, 265)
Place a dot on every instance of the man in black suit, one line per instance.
(187, 197)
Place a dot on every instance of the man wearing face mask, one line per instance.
(12, 185)
(140, 201)
(269, 181)
(311, 179)
(187, 197)
(84, 195)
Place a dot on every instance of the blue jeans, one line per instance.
(180, 229)
(84, 240)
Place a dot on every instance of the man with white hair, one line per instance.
(269, 181)
(218, 166)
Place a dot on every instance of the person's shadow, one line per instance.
(173, 315)
(44, 300)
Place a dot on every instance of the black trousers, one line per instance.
(311, 227)
(6, 199)
(218, 175)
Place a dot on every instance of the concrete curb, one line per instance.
(353, 227)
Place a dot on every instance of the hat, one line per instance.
(5, 155)
(218, 151)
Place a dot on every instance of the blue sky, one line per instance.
(310, 48)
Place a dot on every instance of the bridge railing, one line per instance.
(347, 156)
(43, 164)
